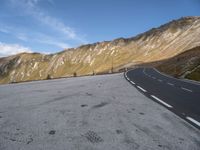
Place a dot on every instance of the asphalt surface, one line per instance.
(181, 97)
(88, 113)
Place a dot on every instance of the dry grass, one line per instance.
(184, 65)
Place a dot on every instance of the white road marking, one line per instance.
(193, 120)
(186, 89)
(132, 82)
(156, 98)
(159, 80)
(126, 75)
(141, 89)
(170, 83)
(153, 77)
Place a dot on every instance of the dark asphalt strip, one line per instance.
(180, 97)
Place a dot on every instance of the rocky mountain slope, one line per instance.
(184, 65)
(157, 44)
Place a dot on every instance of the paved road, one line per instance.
(88, 113)
(179, 96)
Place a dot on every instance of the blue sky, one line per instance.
(50, 26)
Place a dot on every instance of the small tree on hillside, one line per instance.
(93, 72)
(75, 74)
(48, 77)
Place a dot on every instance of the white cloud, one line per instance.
(11, 49)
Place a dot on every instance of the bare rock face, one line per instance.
(156, 44)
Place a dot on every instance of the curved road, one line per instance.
(183, 98)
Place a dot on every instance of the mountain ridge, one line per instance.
(156, 44)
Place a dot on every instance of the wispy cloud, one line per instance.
(45, 39)
(4, 30)
(31, 8)
(11, 49)
(56, 25)
(35, 37)
(22, 36)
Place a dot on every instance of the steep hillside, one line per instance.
(184, 65)
(157, 44)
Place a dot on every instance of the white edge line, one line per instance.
(132, 82)
(193, 120)
(156, 98)
(129, 79)
(141, 89)
(184, 80)
(186, 89)
(191, 81)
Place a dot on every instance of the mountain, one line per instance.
(184, 65)
(156, 44)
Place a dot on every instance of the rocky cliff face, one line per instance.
(157, 44)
